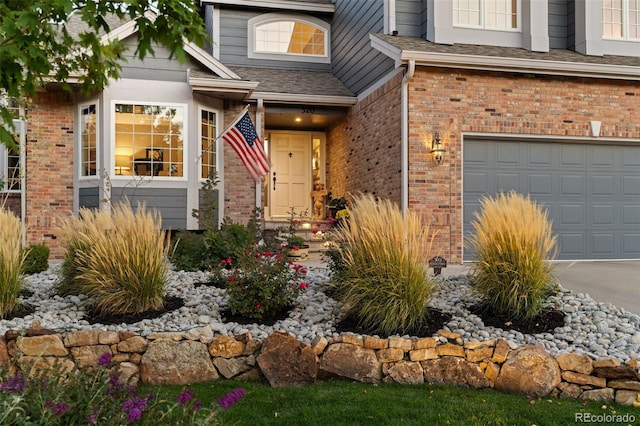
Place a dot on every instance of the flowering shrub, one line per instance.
(262, 284)
(98, 397)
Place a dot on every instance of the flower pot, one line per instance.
(298, 252)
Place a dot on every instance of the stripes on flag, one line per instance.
(244, 140)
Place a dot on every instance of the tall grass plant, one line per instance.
(384, 283)
(514, 243)
(12, 258)
(119, 258)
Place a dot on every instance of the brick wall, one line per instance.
(456, 102)
(49, 168)
(363, 150)
(239, 186)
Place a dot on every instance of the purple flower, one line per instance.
(105, 359)
(185, 397)
(16, 384)
(60, 408)
(93, 418)
(197, 406)
(231, 398)
(134, 415)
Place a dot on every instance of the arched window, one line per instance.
(289, 38)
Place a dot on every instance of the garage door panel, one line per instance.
(591, 191)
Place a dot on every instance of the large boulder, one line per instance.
(529, 370)
(168, 362)
(453, 370)
(351, 361)
(285, 361)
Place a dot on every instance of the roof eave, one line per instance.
(506, 64)
(278, 4)
(302, 99)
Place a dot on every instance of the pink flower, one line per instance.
(303, 286)
(232, 278)
(258, 306)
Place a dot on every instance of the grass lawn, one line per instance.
(349, 403)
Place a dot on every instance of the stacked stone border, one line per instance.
(200, 356)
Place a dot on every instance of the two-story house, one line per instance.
(431, 103)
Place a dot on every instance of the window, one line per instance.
(10, 176)
(208, 144)
(88, 140)
(149, 140)
(282, 37)
(486, 14)
(621, 19)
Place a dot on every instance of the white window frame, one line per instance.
(625, 24)
(483, 18)
(275, 17)
(589, 39)
(218, 121)
(4, 171)
(111, 167)
(81, 106)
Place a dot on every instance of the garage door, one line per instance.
(592, 192)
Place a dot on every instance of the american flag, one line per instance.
(242, 137)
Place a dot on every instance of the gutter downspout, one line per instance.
(404, 135)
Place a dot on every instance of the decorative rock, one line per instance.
(624, 384)
(602, 395)
(371, 342)
(82, 338)
(87, 356)
(45, 364)
(584, 379)
(606, 362)
(390, 355)
(319, 344)
(251, 345)
(47, 345)
(617, 373)
(491, 371)
(226, 347)
(423, 354)
(400, 343)
(449, 349)
(480, 345)
(230, 368)
(351, 361)
(4, 353)
(575, 362)
(128, 372)
(529, 370)
(569, 390)
(425, 343)
(169, 362)
(352, 339)
(406, 372)
(626, 397)
(108, 338)
(285, 361)
(136, 344)
(501, 351)
(477, 355)
(452, 370)
(166, 335)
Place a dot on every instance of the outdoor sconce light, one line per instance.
(437, 151)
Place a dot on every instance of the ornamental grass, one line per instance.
(118, 258)
(11, 261)
(514, 243)
(383, 282)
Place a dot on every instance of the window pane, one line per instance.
(612, 18)
(208, 144)
(501, 14)
(88, 142)
(13, 170)
(297, 38)
(149, 140)
(466, 13)
(634, 19)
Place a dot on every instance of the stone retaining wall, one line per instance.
(198, 355)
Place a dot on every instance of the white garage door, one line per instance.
(592, 192)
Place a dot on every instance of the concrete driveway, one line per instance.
(617, 283)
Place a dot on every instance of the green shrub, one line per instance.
(120, 259)
(37, 259)
(231, 241)
(384, 283)
(78, 397)
(11, 262)
(514, 244)
(262, 284)
(190, 252)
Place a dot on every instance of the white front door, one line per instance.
(290, 174)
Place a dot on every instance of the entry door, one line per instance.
(290, 174)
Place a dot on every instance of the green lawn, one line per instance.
(348, 403)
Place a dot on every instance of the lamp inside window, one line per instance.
(437, 150)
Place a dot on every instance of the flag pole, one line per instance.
(211, 144)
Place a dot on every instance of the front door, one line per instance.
(290, 173)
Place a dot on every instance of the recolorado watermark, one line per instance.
(604, 418)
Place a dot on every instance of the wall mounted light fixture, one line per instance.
(437, 150)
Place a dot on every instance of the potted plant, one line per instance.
(295, 245)
(335, 205)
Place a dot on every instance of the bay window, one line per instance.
(88, 140)
(208, 144)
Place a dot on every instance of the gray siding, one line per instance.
(156, 67)
(558, 24)
(233, 43)
(354, 61)
(89, 198)
(571, 25)
(408, 18)
(171, 203)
